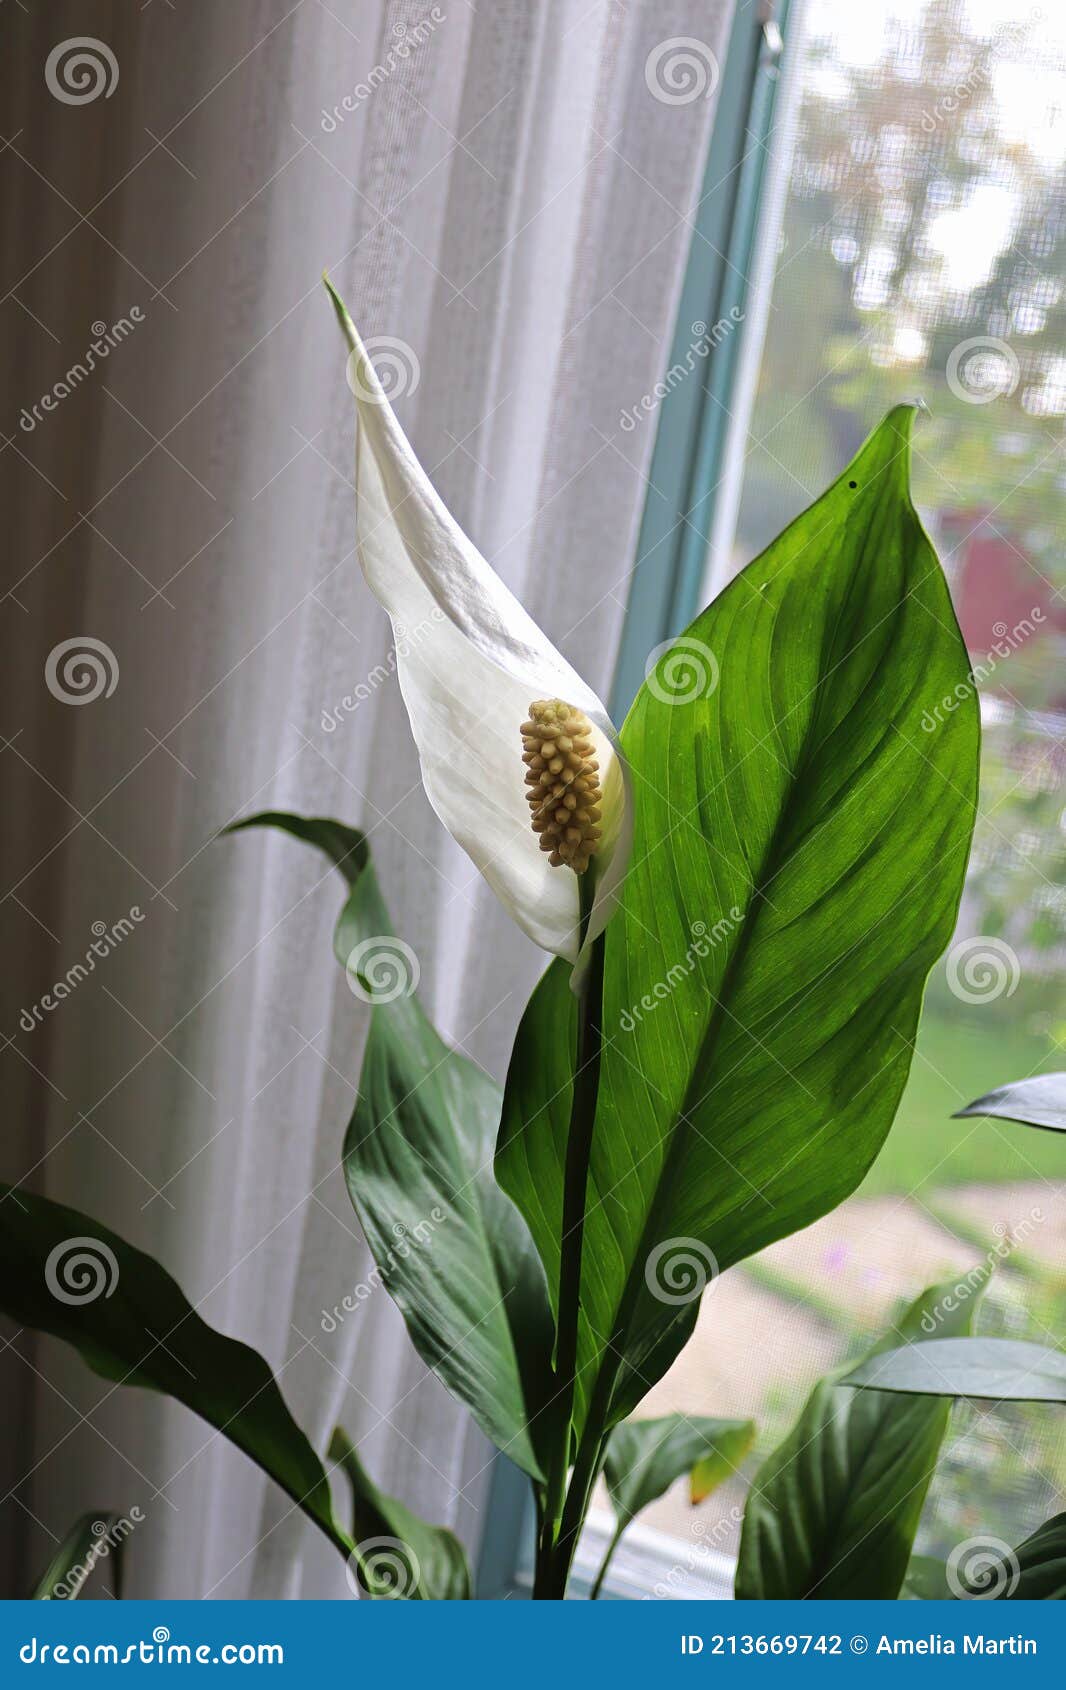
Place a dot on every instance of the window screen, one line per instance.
(922, 254)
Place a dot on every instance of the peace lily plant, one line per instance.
(772, 864)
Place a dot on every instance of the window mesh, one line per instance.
(923, 254)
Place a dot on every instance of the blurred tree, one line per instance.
(923, 253)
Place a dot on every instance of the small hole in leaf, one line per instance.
(853, 483)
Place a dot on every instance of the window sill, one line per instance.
(648, 1565)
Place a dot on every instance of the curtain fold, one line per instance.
(498, 189)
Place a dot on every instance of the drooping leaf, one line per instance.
(65, 1273)
(1037, 1102)
(80, 1551)
(833, 1512)
(397, 1555)
(1036, 1570)
(644, 1457)
(451, 1248)
(804, 807)
(997, 1369)
(986, 1569)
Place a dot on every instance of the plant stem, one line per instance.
(587, 1466)
(588, 1457)
(605, 1563)
(575, 1187)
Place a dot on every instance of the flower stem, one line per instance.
(575, 1186)
(605, 1563)
(587, 1464)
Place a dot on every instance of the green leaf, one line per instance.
(451, 1248)
(88, 1541)
(985, 1568)
(1036, 1102)
(1035, 1571)
(833, 1512)
(801, 835)
(63, 1272)
(397, 1555)
(644, 1457)
(995, 1369)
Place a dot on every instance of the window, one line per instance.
(913, 244)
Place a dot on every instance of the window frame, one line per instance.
(696, 418)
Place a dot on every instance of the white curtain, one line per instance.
(502, 192)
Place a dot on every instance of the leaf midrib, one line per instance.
(681, 1126)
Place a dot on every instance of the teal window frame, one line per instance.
(687, 460)
(679, 511)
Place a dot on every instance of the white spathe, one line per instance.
(470, 661)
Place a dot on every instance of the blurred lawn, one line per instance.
(955, 1062)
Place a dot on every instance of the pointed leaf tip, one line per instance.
(342, 313)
